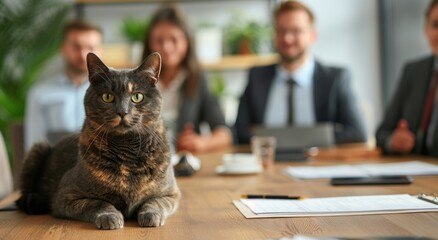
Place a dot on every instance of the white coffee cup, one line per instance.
(240, 162)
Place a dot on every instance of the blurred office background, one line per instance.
(372, 38)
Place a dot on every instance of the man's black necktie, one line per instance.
(290, 101)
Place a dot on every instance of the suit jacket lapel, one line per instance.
(263, 86)
(434, 145)
(185, 108)
(318, 91)
(424, 75)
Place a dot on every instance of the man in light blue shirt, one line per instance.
(56, 105)
(276, 110)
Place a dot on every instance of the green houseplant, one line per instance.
(30, 32)
(243, 36)
(134, 31)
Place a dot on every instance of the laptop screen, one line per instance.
(295, 139)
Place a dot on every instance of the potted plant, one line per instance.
(134, 31)
(31, 31)
(243, 36)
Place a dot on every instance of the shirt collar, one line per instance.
(302, 75)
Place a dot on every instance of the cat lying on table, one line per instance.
(118, 166)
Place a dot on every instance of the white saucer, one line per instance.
(253, 170)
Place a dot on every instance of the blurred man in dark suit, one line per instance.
(298, 91)
(409, 125)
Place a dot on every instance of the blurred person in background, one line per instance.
(187, 101)
(55, 106)
(6, 182)
(299, 90)
(410, 121)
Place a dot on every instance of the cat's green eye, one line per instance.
(137, 97)
(107, 97)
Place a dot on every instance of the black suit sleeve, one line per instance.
(210, 110)
(393, 113)
(241, 129)
(349, 119)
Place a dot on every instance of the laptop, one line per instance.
(293, 141)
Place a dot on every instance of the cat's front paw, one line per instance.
(150, 219)
(109, 221)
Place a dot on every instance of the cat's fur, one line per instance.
(118, 166)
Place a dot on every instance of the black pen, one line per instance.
(262, 196)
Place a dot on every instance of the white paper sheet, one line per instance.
(412, 168)
(336, 206)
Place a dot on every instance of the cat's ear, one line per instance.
(96, 68)
(151, 68)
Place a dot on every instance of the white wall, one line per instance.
(216, 12)
(348, 36)
(407, 41)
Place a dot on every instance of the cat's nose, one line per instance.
(121, 114)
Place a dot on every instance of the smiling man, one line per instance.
(300, 90)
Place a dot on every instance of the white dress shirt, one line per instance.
(55, 105)
(6, 183)
(171, 102)
(276, 109)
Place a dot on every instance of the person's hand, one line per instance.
(402, 140)
(190, 141)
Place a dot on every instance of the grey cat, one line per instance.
(118, 166)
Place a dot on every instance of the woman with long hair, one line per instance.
(187, 101)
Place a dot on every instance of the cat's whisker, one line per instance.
(100, 147)
(104, 72)
(73, 139)
(137, 128)
(97, 131)
(105, 134)
(93, 131)
(156, 138)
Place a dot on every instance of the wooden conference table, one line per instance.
(206, 210)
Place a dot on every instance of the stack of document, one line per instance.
(334, 206)
(412, 168)
(302, 237)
